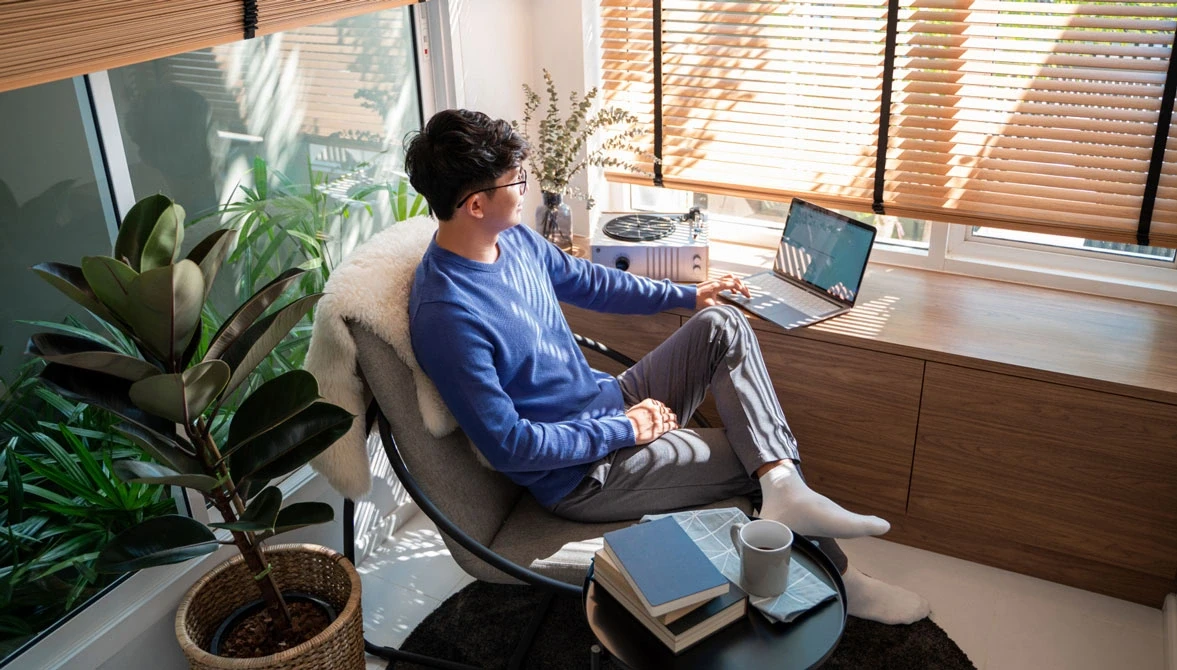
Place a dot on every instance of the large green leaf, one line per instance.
(194, 343)
(274, 402)
(210, 254)
(169, 451)
(159, 541)
(244, 316)
(181, 397)
(104, 391)
(260, 515)
(292, 444)
(137, 226)
(70, 280)
(80, 352)
(259, 340)
(163, 244)
(167, 302)
(299, 515)
(151, 473)
(110, 280)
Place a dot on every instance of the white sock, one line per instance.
(788, 499)
(868, 598)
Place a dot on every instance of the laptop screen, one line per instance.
(824, 249)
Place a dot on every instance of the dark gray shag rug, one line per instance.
(481, 624)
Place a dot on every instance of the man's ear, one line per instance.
(474, 206)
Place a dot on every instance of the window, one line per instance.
(323, 98)
(1114, 269)
(1038, 116)
(326, 106)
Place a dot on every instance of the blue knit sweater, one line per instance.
(492, 338)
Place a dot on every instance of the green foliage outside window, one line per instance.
(60, 501)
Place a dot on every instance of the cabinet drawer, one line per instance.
(854, 413)
(1087, 474)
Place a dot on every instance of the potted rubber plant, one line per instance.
(168, 397)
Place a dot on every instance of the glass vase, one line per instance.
(553, 220)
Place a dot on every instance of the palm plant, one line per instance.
(282, 223)
(60, 503)
(167, 398)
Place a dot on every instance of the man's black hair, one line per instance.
(460, 151)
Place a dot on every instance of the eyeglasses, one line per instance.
(522, 184)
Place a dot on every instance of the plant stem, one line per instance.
(204, 438)
(229, 503)
(255, 559)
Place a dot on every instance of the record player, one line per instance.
(654, 245)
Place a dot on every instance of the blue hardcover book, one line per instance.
(664, 566)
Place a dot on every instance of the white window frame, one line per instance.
(1143, 280)
(953, 250)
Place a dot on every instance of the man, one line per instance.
(487, 328)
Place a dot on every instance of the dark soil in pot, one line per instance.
(250, 631)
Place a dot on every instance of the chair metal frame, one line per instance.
(550, 586)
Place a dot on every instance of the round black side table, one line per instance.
(752, 642)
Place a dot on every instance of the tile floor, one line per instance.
(1002, 620)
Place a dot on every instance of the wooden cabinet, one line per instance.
(854, 414)
(1085, 475)
(994, 463)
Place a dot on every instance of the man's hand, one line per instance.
(650, 419)
(707, 292)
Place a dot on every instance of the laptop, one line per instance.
(818, 268)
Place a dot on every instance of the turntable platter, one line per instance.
(639, 227)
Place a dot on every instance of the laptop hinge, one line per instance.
(811, 289)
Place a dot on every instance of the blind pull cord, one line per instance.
(658, 93)
(249, 7)
(885, 103)
(1157, 163)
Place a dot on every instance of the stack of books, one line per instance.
(657, 572)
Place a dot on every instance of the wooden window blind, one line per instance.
(45, 40)
(1038, 116)
(278, 15)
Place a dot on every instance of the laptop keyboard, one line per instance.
(772, 286)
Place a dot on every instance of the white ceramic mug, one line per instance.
(764, 547)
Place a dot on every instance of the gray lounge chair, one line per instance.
(495, 530)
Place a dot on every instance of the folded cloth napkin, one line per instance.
(709, 528)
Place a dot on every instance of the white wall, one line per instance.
(502, 44)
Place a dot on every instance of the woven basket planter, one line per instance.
(308, 568)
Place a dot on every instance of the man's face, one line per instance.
(504, 206)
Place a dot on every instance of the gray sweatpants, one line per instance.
(715, 349)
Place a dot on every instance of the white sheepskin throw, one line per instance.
(372, 288)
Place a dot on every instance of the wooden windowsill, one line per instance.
(1104, 344)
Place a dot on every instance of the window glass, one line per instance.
(321, 99)
(55, 514)
(1117, 250)
(50, 207)
(727, 211)
(294, 139)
